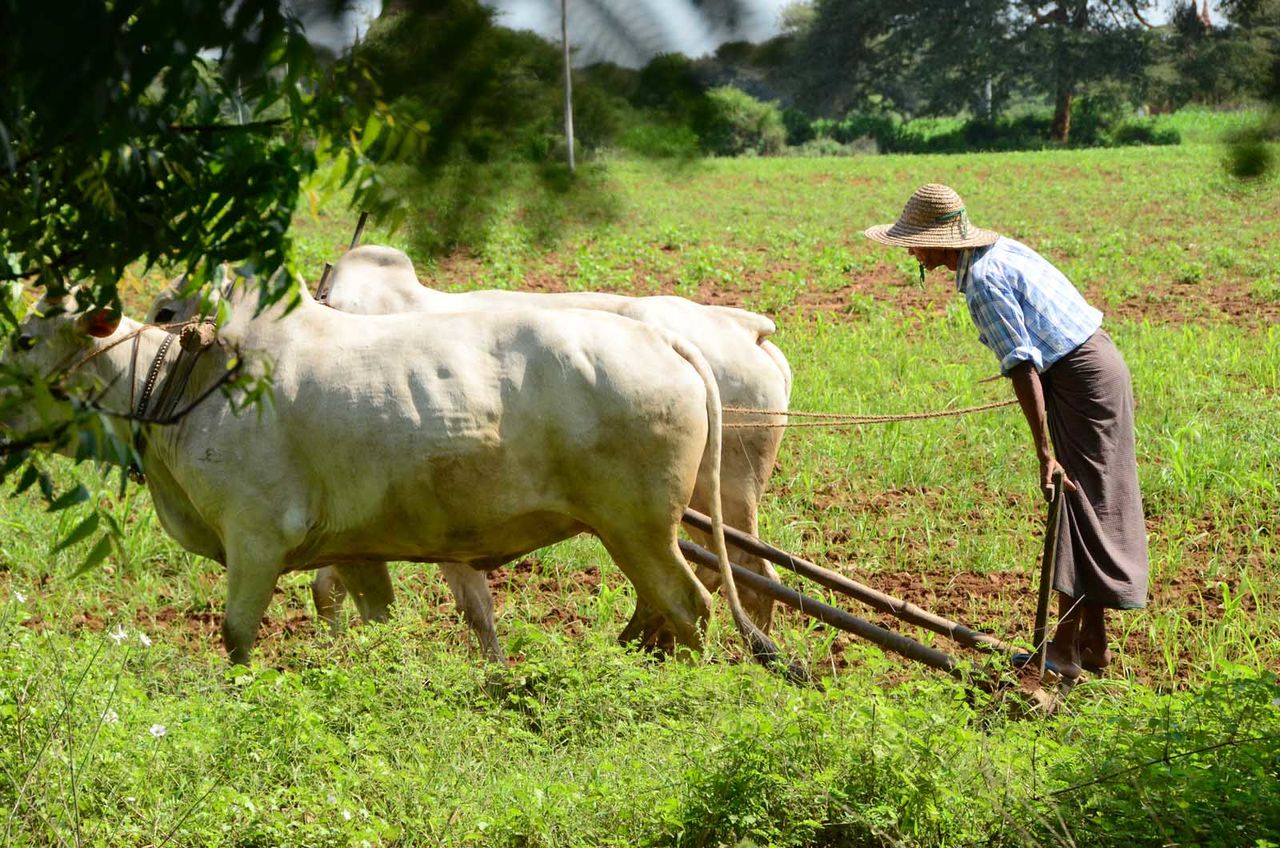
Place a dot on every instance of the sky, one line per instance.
(658, 26)
(663, 26)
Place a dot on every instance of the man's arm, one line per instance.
(1026, 385)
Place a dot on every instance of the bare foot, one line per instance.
(1067, 665)
(1091, 659)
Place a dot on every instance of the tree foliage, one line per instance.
(171, 133)
(936, 57)
(158, 135)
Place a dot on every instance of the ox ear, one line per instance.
(99, 323)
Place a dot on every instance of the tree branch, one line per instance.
(207, 129)
(196, 129)
(1133, 8)
(61, 262)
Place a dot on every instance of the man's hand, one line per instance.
(1047, 469)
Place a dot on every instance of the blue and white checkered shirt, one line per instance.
(1025, 309)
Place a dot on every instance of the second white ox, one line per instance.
(467, 438)
(749, 370)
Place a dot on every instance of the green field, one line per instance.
(399, 735)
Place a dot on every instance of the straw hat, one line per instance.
(933, 217)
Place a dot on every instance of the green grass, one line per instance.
(398, 735)
(1207, 126)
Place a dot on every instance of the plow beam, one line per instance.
(838, 618)
(908, 612)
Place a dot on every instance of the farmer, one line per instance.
(1074, 390)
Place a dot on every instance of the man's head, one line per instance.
(936, 257)
(934, 227)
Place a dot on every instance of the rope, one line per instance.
(839, 419)
(136, 331)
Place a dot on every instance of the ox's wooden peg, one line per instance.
(194, 338)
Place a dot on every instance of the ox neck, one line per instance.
(144, 369)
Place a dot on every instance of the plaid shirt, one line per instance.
(1024, 308)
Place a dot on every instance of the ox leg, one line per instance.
(370, 586)
(471, 594)
(664, 582)
(650, 629)
(328, 593)
(250, 582)
(647, 629)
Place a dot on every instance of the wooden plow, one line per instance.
(912, 649)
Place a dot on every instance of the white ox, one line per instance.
(749, 369)
(467, 438)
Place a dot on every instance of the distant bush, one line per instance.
(660, 142)
(799, 128)
(1103, 107)
(1142, 131)
(826, 146)
(881, 126)
(1102, 121)
(736, 123)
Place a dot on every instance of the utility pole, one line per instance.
(568, 81)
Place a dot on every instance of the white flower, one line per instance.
(145, 640)
(157, 730)
(21, 598)
(119, 634)
(346, 815)
(110, 717)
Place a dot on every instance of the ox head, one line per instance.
(184, 300)
(38, 366)
(54, 329)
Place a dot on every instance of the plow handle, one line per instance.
(1048, 565)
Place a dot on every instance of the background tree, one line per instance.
(964, 55)
(1252, 155)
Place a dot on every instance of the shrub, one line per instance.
(830, 147)
(737, 123)
(881, 126)
(1142, 131)
(799, 128)
(1104, 107)
(660, 142)
(1027, 132)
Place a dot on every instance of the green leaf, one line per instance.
(70, 498)
(83, 531)
(95, 556)
(372, 128)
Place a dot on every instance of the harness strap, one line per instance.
(152, 375)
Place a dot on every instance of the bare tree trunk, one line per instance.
(568, 82)
(1061, 129)
(1069, 17)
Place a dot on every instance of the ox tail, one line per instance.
(763, 650)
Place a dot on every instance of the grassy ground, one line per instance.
(398, 735)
